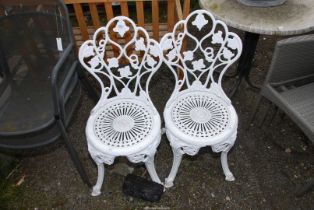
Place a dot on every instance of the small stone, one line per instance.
(288, 150)
(213, 195)
(228, 198)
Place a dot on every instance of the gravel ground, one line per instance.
(269, 162)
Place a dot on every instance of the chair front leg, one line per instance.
(224, 148)
(224, 163)
(177, 157)
(100, 179)
(150, 165)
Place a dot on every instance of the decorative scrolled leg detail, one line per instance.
(150, 165)
(224, 162)
(100, 179)
(177, 157)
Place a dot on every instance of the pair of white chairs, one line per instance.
(125, 121)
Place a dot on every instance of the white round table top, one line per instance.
(291, 18)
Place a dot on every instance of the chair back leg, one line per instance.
(73, 154)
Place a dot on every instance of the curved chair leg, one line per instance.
(225, 167)
(150, 165)
(177, 157)
(100, 179)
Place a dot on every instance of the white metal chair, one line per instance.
(124, 122)
(199, 113)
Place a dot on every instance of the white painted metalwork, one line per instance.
(124, 122)
(199, 113)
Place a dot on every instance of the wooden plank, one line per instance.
(170, 14)
(186, 8)
(140, 13)
(180, 16)
(109, 15)
(179, 10)
(94, 14)
(140, 17)
(124, 9)
(186, 11)
(155, 16)
(109, 11)
(92, 1)
(80, 19)
(125, 12)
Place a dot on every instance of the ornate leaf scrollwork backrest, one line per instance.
(129, 67)
(199, 46)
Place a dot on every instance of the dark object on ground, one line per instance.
(139, 187)
(39, 76)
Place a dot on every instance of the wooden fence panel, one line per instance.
(156, 29)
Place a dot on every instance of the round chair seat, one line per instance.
(201, 117)
(123, 126)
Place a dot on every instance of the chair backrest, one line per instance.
(292, 60)
(128, 72)
(199, 46)
(150, 14)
